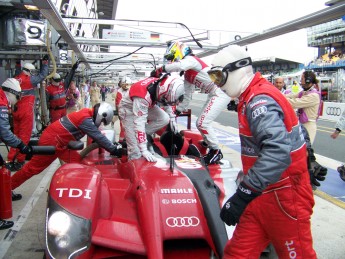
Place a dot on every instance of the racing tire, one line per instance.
(88, 149)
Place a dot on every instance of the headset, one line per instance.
(308, 76)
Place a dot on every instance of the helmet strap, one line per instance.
(17, 94)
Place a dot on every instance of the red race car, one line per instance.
(109, 207)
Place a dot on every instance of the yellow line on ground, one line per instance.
(329, 198)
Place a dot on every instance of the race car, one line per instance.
(108, 207)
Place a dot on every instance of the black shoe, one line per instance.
(18, 165)
(213, 156)
(341, 170)
(10, 166)
(4, 224)
(16, 196)
(14, 166)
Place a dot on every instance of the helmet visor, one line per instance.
(170, 56)
(32, 72)
(217, 75)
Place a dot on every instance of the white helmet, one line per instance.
(103, 112)
(12, 90)
(126, 83)
(232, 70)
(170, 90)
(56, 77)
(30, 68)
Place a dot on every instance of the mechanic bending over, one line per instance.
(195, 75)
(71, 127)
(140, 114)
(274, 200)
(10, 93)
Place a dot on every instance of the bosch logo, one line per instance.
(165, 201)
(179, 222)
(334, 111)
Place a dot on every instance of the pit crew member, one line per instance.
(274, 200)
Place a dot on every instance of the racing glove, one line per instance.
(148, 156)
(316, 171)
(235, 205)
(173, 124)
(177, 112)
(117, 151)
(157, 72)
(25, 149)
(45, 59)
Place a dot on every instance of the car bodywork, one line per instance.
(108, 207)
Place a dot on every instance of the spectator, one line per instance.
(317, 172)
(294, 88)
(94, 94)
(339, 126)
(73, 126)
(140, 114)
(274, 199)
(73, 98)
(195, 74)
(23, 112)
(56, 98)
(10, 93)
(308, 103)
(280, 84)
(86, 94)
(104, 91)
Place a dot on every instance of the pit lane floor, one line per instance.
(26, 238)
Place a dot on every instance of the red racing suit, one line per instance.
(56, 99)
(23, 112)
(274, 159)
(140, 115)
(196, 76)
(73, 126)
(6, 134)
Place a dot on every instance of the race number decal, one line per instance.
(185, 162)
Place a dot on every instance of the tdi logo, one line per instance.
(74, 193)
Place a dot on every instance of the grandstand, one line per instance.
(329, 38)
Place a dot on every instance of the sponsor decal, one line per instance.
(177, 191)
(141, 136)
(179, 222)
(179, 201)
(334, 111)
(74, 193)
(257, 112)
(259, 102)
(248, 150)
(244, 190)
(291, 249)
(185, 162)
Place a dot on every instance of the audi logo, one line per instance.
(179, 222)
(257, 112)
(334, 111)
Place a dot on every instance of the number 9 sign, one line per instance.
(35, 32)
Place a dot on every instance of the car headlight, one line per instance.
(66, 234)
